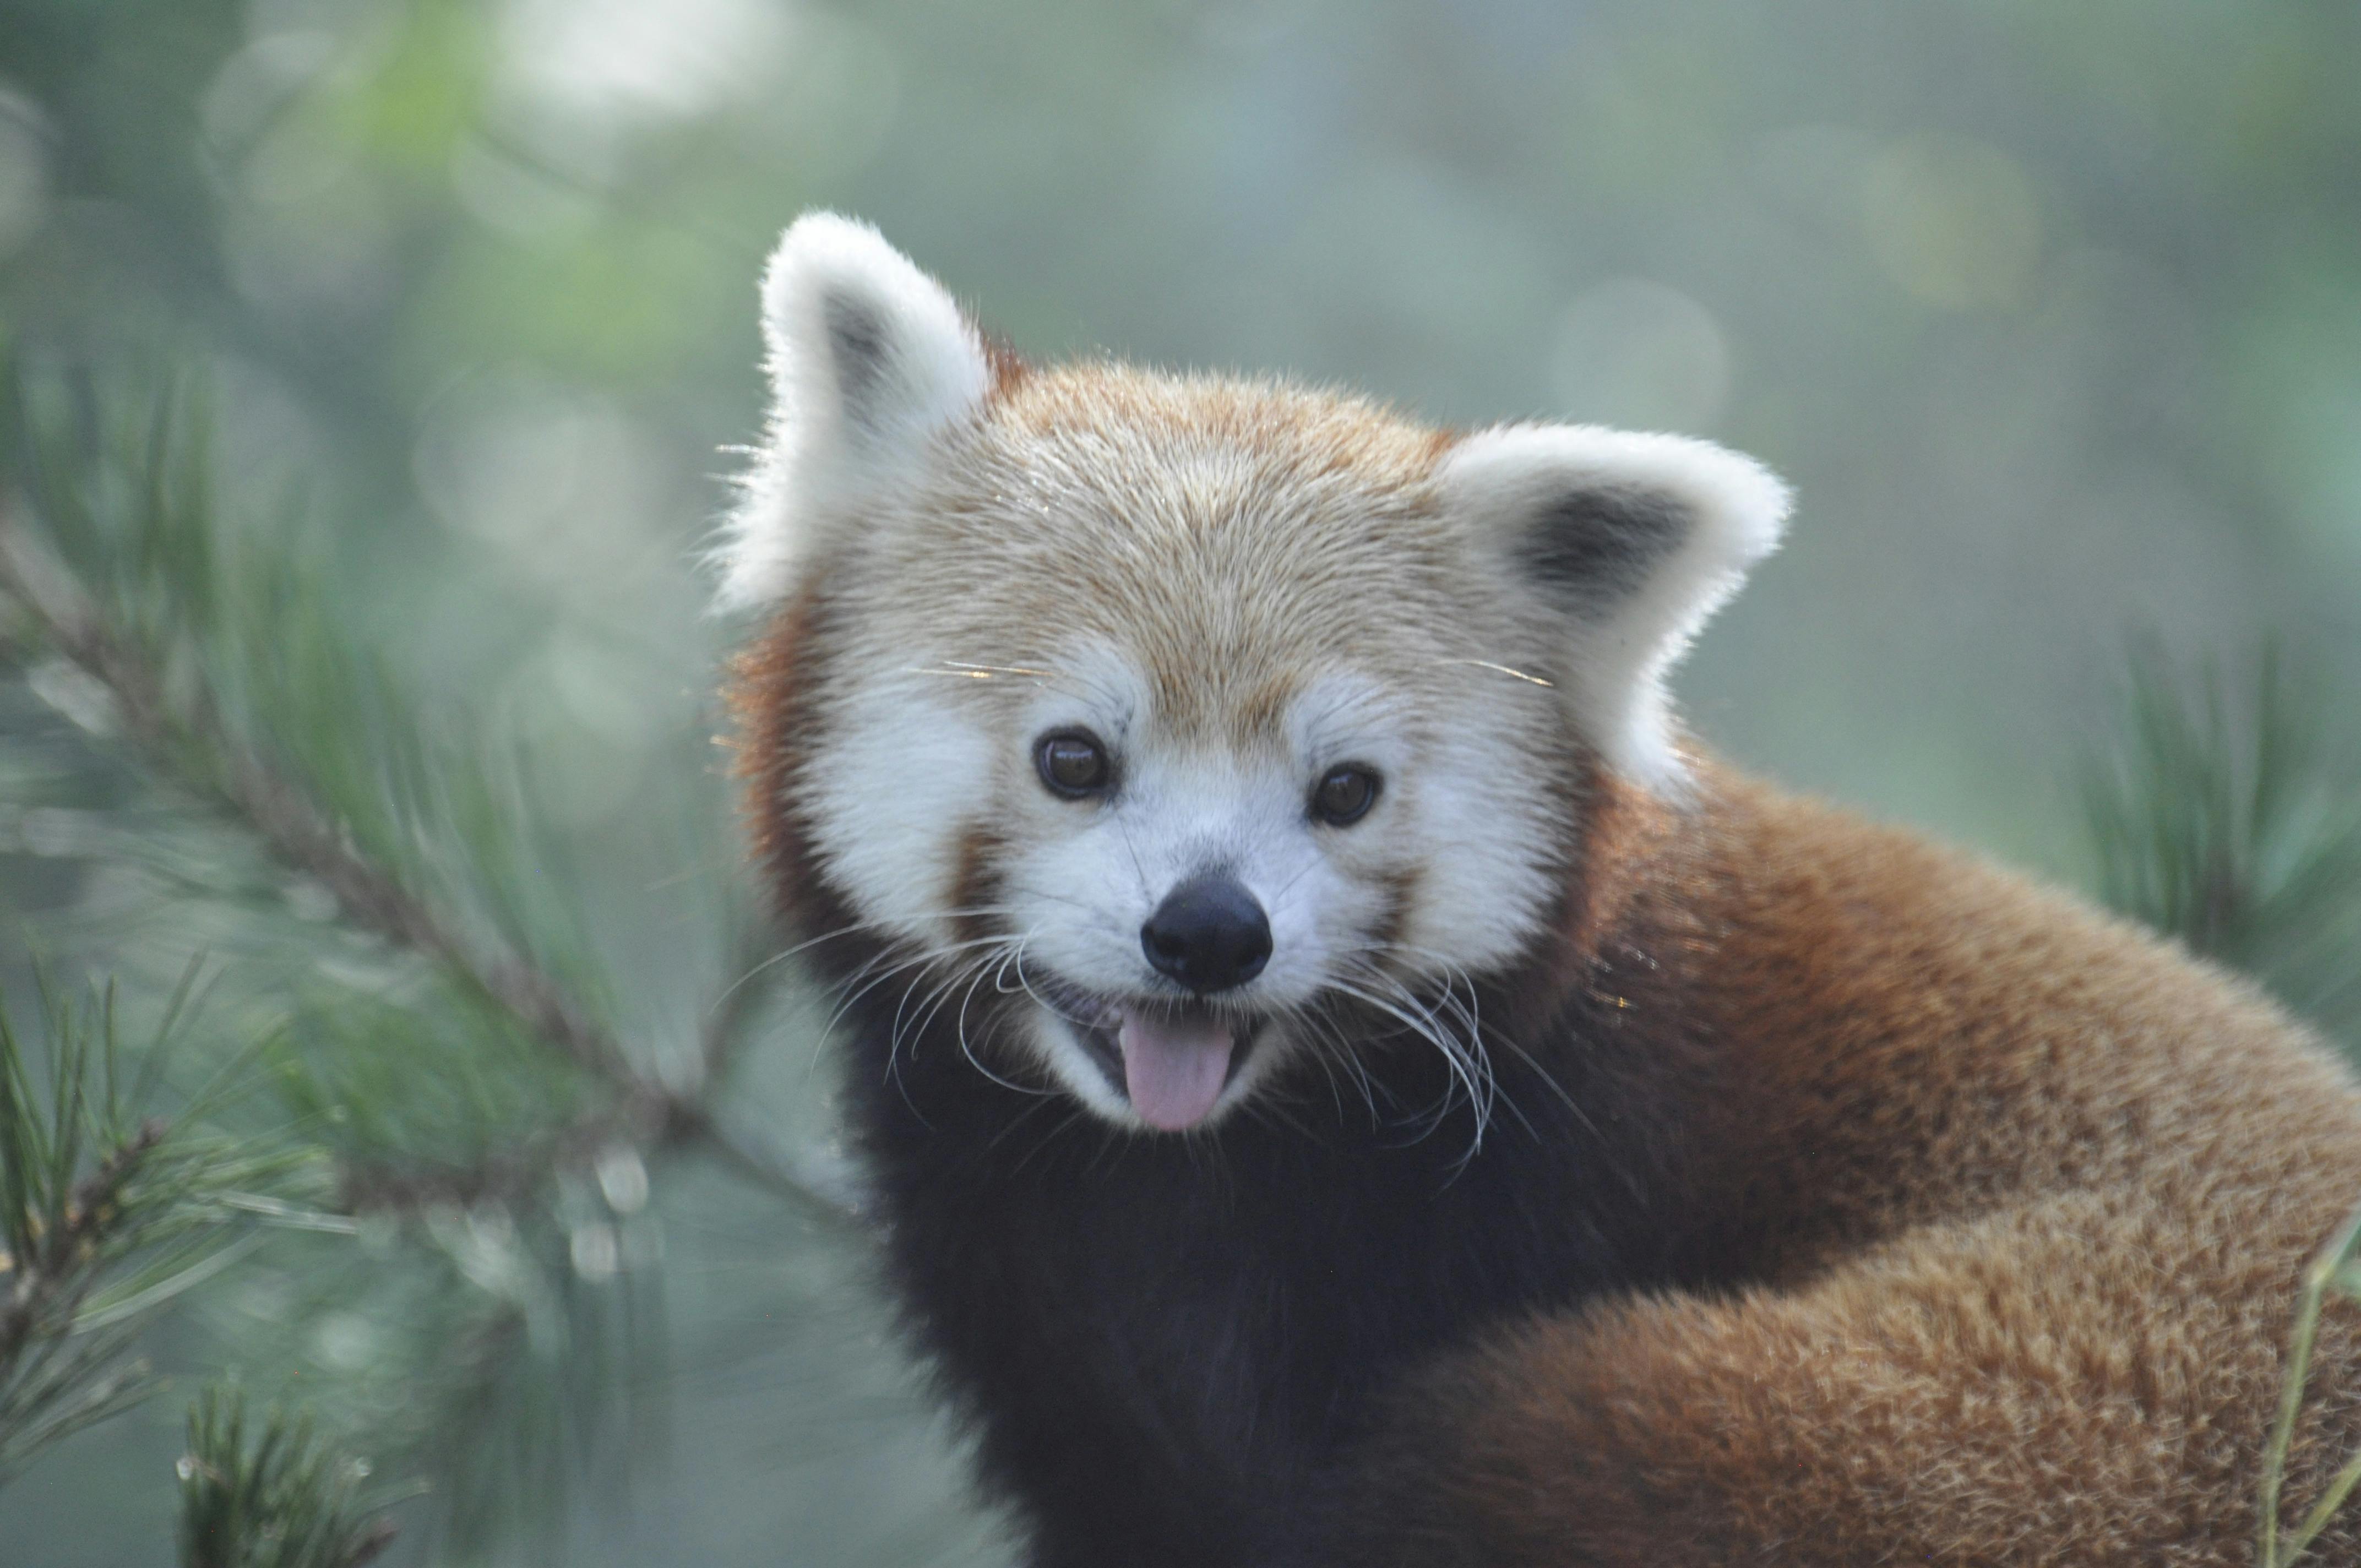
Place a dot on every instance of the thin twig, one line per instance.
(2271, 1549)
(50, 1285)
(283, 816)
(2330, 1501)
(505, 1176)
(817, 1186)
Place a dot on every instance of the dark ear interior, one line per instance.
(1633, 538)
(1593, 546)
(860, 352)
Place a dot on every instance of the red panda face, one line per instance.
(1170, 745)
(1174, 732)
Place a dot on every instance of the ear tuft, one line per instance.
(1636, 540)
(870, 360)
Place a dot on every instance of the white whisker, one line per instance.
(1503, 669)
(959, 1021)
(1453, 1026)
(1466, 1065)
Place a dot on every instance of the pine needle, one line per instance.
(283, 1501)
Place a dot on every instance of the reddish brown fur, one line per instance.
(2031, 1193)
(1401, 892)
(771, 734)
(973, 881)
(1007, 369)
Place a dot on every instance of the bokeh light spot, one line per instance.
(1953, 222)
(1634, 352)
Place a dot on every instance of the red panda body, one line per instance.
(2015, 1200)
(1345, 1083)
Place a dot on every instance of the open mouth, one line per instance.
(1171, 1059)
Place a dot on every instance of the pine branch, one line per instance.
(282, 1502)
(146, 646)
(283, 816)
(2217, 819)
(50, 1275)
(105, 1219)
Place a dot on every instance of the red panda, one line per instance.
(1347, 1080)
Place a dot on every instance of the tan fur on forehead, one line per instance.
(1150, 412)
(1229, 535)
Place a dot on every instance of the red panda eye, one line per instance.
(1344, 795)
(1073, 764)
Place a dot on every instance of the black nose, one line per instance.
(1208, 935)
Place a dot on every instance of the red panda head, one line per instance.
(1157, 726)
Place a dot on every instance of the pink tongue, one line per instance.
(1174, 1068)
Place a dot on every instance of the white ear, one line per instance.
(870, 360)
(1636, 540)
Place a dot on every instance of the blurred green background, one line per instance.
(2052, 315)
